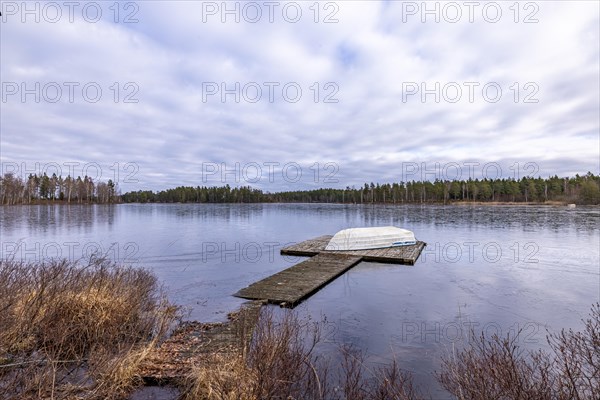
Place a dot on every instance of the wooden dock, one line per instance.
(289, 287)
(391, 255)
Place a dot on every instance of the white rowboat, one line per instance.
(371, 238)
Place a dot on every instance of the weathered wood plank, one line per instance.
(393, 255)
(294, 284)
(308, 248)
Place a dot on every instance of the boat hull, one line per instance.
(371, 238)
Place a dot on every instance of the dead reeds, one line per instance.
(67, 327)
(71, 330)
(282, 363)
(498, 368)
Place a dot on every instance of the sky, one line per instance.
(299, 95)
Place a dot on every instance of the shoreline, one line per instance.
(551, 203)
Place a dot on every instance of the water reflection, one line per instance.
(51, 219)
(500, 268)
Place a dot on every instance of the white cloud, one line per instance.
(366, 56)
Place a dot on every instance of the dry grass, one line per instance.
(359, 382)
(278, 364)
(71, 331)
(495, 368)
(282, 364)
(576, 362)
(66, 328)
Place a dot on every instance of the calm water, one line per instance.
(497, 269)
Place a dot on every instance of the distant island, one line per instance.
(580, 189)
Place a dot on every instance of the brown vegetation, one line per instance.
(67, 329)
(72, 331)
(282, 364)
(497, 368)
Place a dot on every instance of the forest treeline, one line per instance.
(36, 189)
(579, 189)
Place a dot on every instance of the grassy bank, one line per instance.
(282, 364)
(71, 331)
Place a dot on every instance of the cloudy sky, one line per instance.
(293, 95)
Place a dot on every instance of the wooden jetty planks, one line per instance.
(394, 255)
(292, 285)
(308, 248)
(296, 283)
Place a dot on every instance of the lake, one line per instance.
(498, 269)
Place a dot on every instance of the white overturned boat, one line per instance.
(371, 238)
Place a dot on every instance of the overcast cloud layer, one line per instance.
(361, 68)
